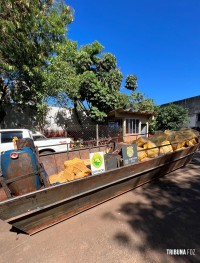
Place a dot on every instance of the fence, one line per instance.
(86, 133)
(93, 135)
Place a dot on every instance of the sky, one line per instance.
(157, 40)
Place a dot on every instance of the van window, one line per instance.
(8, 136)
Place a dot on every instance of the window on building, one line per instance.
(132, 126)
(198, 117)
(115, 126)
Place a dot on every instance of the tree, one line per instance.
(100, 80)
(37, 62)
(138, 101)
(131, 82)
(171, 117)
(29, 32)
(89, 78)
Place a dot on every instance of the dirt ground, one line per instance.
(138, 226)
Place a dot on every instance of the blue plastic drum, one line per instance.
(15, 163)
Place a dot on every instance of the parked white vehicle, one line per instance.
(45, 145)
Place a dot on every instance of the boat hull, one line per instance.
(38, 210)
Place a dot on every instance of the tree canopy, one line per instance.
(89, 78)
(29, 31)
(171, 117)
(38, 62)
(138, 101)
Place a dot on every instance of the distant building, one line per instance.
(129, 123)
(193, 106)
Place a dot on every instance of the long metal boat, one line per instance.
(35, 211)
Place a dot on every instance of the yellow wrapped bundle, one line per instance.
(57, 178)
(180, 139)
(184, 137)
(167, 132)
(158, 139)
(141, 141)
(81, 175)
(69, 173)
(74, 169)
(72, 162)
(189, 133)
(152, 152)
(174, 145)
(191, 142)
(166, 148)
(171, 136)
(141, 153)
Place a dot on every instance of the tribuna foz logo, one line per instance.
(181, 252)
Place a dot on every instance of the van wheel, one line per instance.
(45, 152)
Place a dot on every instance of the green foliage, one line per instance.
(29, 32)
(42, 111)
(138, 101)
(131, 82)
(171, 117)
(90, 77)
(37, 62)
(61, 80)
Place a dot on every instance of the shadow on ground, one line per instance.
(168, 215)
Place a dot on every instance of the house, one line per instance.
(128, 123)
(193, 106)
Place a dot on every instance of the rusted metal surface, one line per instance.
(38, 210)
(23, 165)
(54, 162)
(5, 188)
(3, 195)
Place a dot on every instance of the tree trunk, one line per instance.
(77, 115)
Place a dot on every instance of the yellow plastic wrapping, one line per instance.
(57, 178)
(74, 169)
(191, 142)
(141, 153)
(141, 141)
(179, 139)
(159, 138)
(165, 147)
(151, 153)
(72, 162)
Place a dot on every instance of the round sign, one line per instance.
(97, 160)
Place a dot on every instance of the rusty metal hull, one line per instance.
(40, 209)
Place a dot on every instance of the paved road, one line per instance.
(138, 226)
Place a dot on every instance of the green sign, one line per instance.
(129, 154)
(97, 162)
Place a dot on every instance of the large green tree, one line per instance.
(37, 62)
(29, 32)
(171, 117)
(88, 77)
